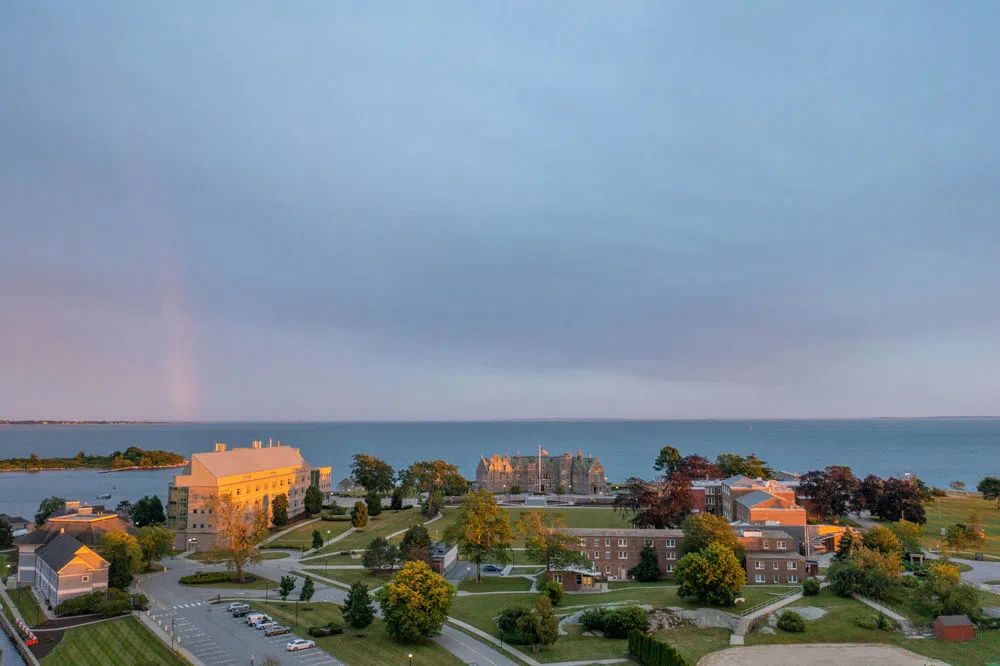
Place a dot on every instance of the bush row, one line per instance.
(615, 622)
(106, 603)
(334, 627)
(651, 652)
(209, 577)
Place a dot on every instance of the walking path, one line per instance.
(904, 623)
(306, 553)
(743, 624)
(278, 535)
(521, 655)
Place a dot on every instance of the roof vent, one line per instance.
(220, 447)
(256, 444)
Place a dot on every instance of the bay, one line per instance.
(936, 450)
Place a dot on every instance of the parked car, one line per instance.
(241, 612)
(233, 607)
(299, 644)
(492, 568)
(260, 619)
(253, 617)
(265, 625)
(277, 630)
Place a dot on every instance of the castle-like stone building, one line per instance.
(578, 475)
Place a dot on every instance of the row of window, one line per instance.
(761, 578)
(792, 566)
(670, 543)
(623, 555)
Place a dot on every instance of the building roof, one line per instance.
(750, 533)
(739, 480)
(775, 554)
(954, 620)
(60, 551)
(88, 530)
(249, 460)
(439, 549)
(612, 532)
(755, 497)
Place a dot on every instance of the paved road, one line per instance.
(8, 653)
(470, 650)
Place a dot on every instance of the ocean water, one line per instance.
(937, 450)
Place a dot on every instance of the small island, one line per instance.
(132, 458)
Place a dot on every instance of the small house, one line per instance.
(578, 580)
(954, 628)
(66, 568)
(443, 556)
(347, 486)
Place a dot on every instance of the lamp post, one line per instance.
(327, 561)
(172, 635)
(266, 585)
(410, 657)
(296, 614)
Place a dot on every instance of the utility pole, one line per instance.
(172, 635)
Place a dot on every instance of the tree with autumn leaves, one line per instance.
(415, 602)
(482, 531)
(545, 543)
(241, 530)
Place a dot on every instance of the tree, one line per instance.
(656, 504)
(428, 475)
(712, 575)
(371, 473)
(286, 586)
(379, 555)
(552, 590)
(123, 553)
(313, 500)
(648, 568)
(307, 591)
(667, 461)
(957, 486)
(546, 624)
(374, 502)
(830, 490)
(154, 542)
(415, 544)
(699, 467)
(849, 543)
(546, 543)
(359, 516)
(415, 602)
(125, 509)
(396, 504)
(909, 536)
(279, 510)
(900, 499)
(702, 529)
(560, 489)
(48, 506)
(148, 511)
(6, 534)
(240, 531)
(883, 540)
(866, 496)
(944, 594)
(751, 466)
(988, 487)
(432, 505)
(516, 624)
(482, 530)
(865, 571)
(975, 535)
(358, 608)
(317, 539)
(515, 490)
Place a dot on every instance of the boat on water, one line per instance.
(103, 496)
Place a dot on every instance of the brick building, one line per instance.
(579, 474)
(707, 496)
(614, 551)
(772, 557)
(755, 500)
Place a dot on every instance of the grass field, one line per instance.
(349, 576)
(945, 511)
(837, 626)
(694, 643)
(381, 526)
(27, 606)
(496, 584)
(575, 517)
(254, 582)
(112, 643)
(372, 647)
(301, 537)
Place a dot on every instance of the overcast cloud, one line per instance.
(499, 210)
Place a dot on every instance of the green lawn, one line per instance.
(349, 576)
(575, 517)
(480, 612)
(694, 643)
(945, 511)
(301, 537)
(496, 584)
(254, 582)
(381, 526)
(372, 647)
(116, 642)
(837, 626)
(27, 606)
(210, 558)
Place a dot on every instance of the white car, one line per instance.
(265, 625)
(299, 644)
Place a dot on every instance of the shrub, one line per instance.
(810, 588)
(209, 577)
(652, 652)
(594, 619)
(867, 621)
(624, 619)
(374, 502)
(553, 590)
(514, 623)
(396, 504)
(337, 517)
(791, 621)
(911, 582)
(109, 603)
(886, 623)
(331, 628)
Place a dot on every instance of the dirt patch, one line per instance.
(820, 654)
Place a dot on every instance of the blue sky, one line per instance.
(455, 211)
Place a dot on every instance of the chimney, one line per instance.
(220, 447)
(270, 442)
(256, 444)
(62, 530)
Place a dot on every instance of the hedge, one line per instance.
(329, 629)
(107, 604)
(652, 652)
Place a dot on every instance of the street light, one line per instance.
(172, 635)
(410, 657)
(266, 585)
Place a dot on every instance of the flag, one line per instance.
(542, 452)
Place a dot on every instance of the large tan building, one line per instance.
(578, 475)
(252, 476)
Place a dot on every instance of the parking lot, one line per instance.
(219, 639)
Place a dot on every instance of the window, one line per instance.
(607, 569)
(579, 579)
(557, 578)
(583, 543)
(671, 555)
(587, 580)
(777, 578)
(758, 565)
(647, 542)
(765, 544)
(607, 554)
(792, 578)
(607, 542)
(781, 545)
(237, 492)
(710, 500)
(671, 543)
(775, 565)
(759, 578)
(597, 542)
(622, 554)
(597, 554)
(84, 579)
(792, 566)
(622, 542)
(670, 568)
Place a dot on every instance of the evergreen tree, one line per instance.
(313, 500)
(317, 539)
(286, 586)
(546, 624)
(279, 510)
(359, 516)
(374, 502)
(648, 568)
(307, 591)
(6, 534)
(397, 499)
(148, 511)
(358, 608)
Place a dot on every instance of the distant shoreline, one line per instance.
(99, 470)
(81, 423)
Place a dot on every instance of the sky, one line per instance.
(372, 211)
